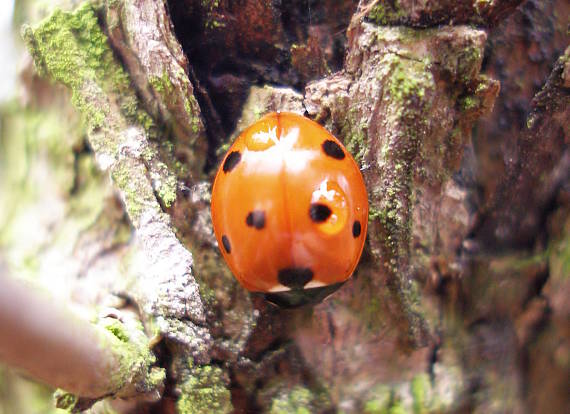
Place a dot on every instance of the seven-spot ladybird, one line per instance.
(290, 210)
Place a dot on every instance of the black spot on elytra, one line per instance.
(226, 243)
(256, 218)
(231, 161)
(295, 277)
(319, 212)
(356, 229)
(332, 149)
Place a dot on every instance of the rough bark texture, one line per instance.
(457, 113)
(417, 13)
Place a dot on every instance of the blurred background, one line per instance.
(10, 47)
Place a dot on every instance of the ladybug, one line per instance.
(290, 210)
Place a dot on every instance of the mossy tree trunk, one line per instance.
(457, 113)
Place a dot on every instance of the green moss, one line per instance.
(28, 135)
(562, 263)
(190, 103)
(384, 402)
(559, 256)
(167, 190)
(419, 389)
(355, 136)
(408, 84)
(393, 399)
(409, 79)
(195, 122)
(65, 400)
(212, 22)
(123, 178)
(117, 329)
(133, 356)
(468, 63)
(482, 5)
(483, 82)
(134, 361)
(204, 392)
(208, 263)
(257, 112)
(385, 13)
(373, 407)
(44, 144)
(373, 314)
(162, 84)
(469, 103)
(148, 154)
(71, 48)
(531, 121)
(222, 149)
(298, 401)
(129, 105)
(164, 182)
(517, 263)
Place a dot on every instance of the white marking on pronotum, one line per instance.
(314, 284)
(279, 288)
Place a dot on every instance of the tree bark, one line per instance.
(457, 113)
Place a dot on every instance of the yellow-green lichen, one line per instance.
(204, 392)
